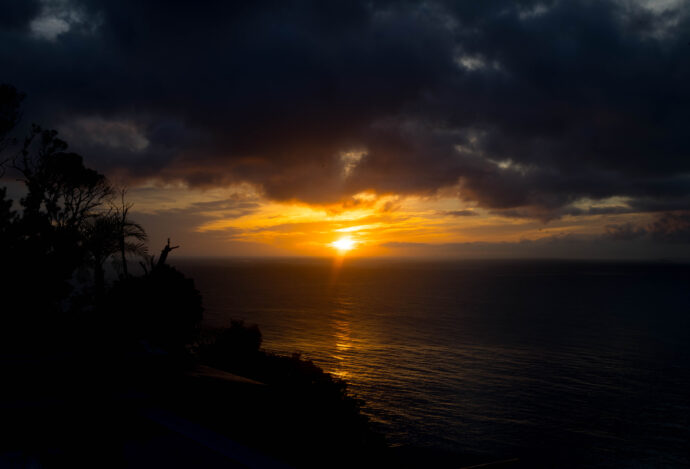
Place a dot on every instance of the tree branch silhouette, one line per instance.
(164, 253)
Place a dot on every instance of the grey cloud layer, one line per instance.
(529, 106)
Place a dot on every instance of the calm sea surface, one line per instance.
(587, 363)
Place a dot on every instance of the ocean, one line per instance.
(586, 364)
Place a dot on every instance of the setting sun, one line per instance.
(344, 244)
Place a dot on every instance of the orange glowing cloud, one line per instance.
(368, 224)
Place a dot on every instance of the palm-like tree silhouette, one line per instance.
(109, 234)
(131, 235)
(100, 241)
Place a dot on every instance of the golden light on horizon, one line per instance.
(344, 244)
(240, 221)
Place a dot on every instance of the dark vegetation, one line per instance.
(86, 356)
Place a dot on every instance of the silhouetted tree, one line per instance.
(109, 234)
(59, 185)
(67, 221)
(61, 222)
(164, 253)
(59, 227)
(150, 263)
(100, 236)
(131, 235)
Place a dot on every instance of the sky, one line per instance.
(442, 129)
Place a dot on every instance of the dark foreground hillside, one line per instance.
(140, 407)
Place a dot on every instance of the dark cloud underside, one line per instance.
(529, 106)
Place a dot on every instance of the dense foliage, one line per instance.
(68, 223)
(162, 307)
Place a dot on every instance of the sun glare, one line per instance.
(344, 244)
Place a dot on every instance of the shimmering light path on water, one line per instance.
(586, 363)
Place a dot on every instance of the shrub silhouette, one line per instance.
(236, 347)
(309, 404)
(162, 307)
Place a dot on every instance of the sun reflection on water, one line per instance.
(343, 345)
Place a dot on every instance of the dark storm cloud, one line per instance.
(529, 106)
(671, 227)
(18, 14)
(625, 231)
